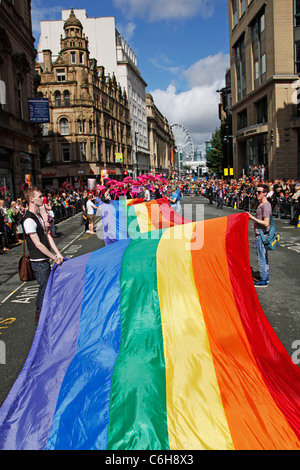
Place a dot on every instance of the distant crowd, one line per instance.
(66, 201)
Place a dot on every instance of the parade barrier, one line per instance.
(157, 343)
(63, 212)
(131, 218)
(280, 209)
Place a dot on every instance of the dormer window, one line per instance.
(60, 74)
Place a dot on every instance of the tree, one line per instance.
(219, 155)
(215, 154)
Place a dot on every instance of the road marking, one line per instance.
(23, 284)
(27, 295)
(4, 323)
(12, 293)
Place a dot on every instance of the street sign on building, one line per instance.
(39, 110)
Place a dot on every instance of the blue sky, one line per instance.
(182, 49)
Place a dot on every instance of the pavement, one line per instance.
(279, 300)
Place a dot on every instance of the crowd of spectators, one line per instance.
(284, 195)
(59, 204)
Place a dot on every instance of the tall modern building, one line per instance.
(265, 63)
(110, 50)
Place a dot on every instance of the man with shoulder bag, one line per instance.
(39, 244)
(262, 223)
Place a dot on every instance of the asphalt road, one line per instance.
(17, 300)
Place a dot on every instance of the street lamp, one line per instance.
(224, 94)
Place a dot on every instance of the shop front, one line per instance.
(6, 175)
(252, 149)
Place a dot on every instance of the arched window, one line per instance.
(64, 126)
(57, 98)
(67, 100)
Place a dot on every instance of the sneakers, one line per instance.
(261, 283)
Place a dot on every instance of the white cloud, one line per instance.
(157, 10)
(164, 64)
(40, 13)
(208, 71)
(196, 108)
(127, 30)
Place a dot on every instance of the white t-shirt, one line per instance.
(89, 207)
(147, 195)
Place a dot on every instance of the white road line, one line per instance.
(13, 292)
(63, 249)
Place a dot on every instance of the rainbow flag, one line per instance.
(157, 344)
(133, 218)
(65, 204)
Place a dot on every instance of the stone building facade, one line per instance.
(264, 82)
(19, 147)
(89, 133)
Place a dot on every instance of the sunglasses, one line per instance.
(260, 192)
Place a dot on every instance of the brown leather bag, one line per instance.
(26, 273)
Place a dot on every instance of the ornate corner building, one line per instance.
(112, 51)
(89, 130)
(265, 58)
(19, 147)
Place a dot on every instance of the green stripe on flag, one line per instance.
(138, 416)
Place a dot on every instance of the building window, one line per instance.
(92, 151)
(64, 126)
(81, 126)
(57, 98)
(73, 57)
(257, 151)
(297, 12)
(263, 64)
(240, 62)
(242, 119)
(45, 129)
(298, 102)
(82, 151)
(61, 75)
(66, 155)
(262, 111)
(259, 49)
(234, 12)
(242, 6)
(81, 57)
(297, 57)
(20, 100)
(67, 100)
(107, 149)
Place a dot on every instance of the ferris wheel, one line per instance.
(184, 142)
